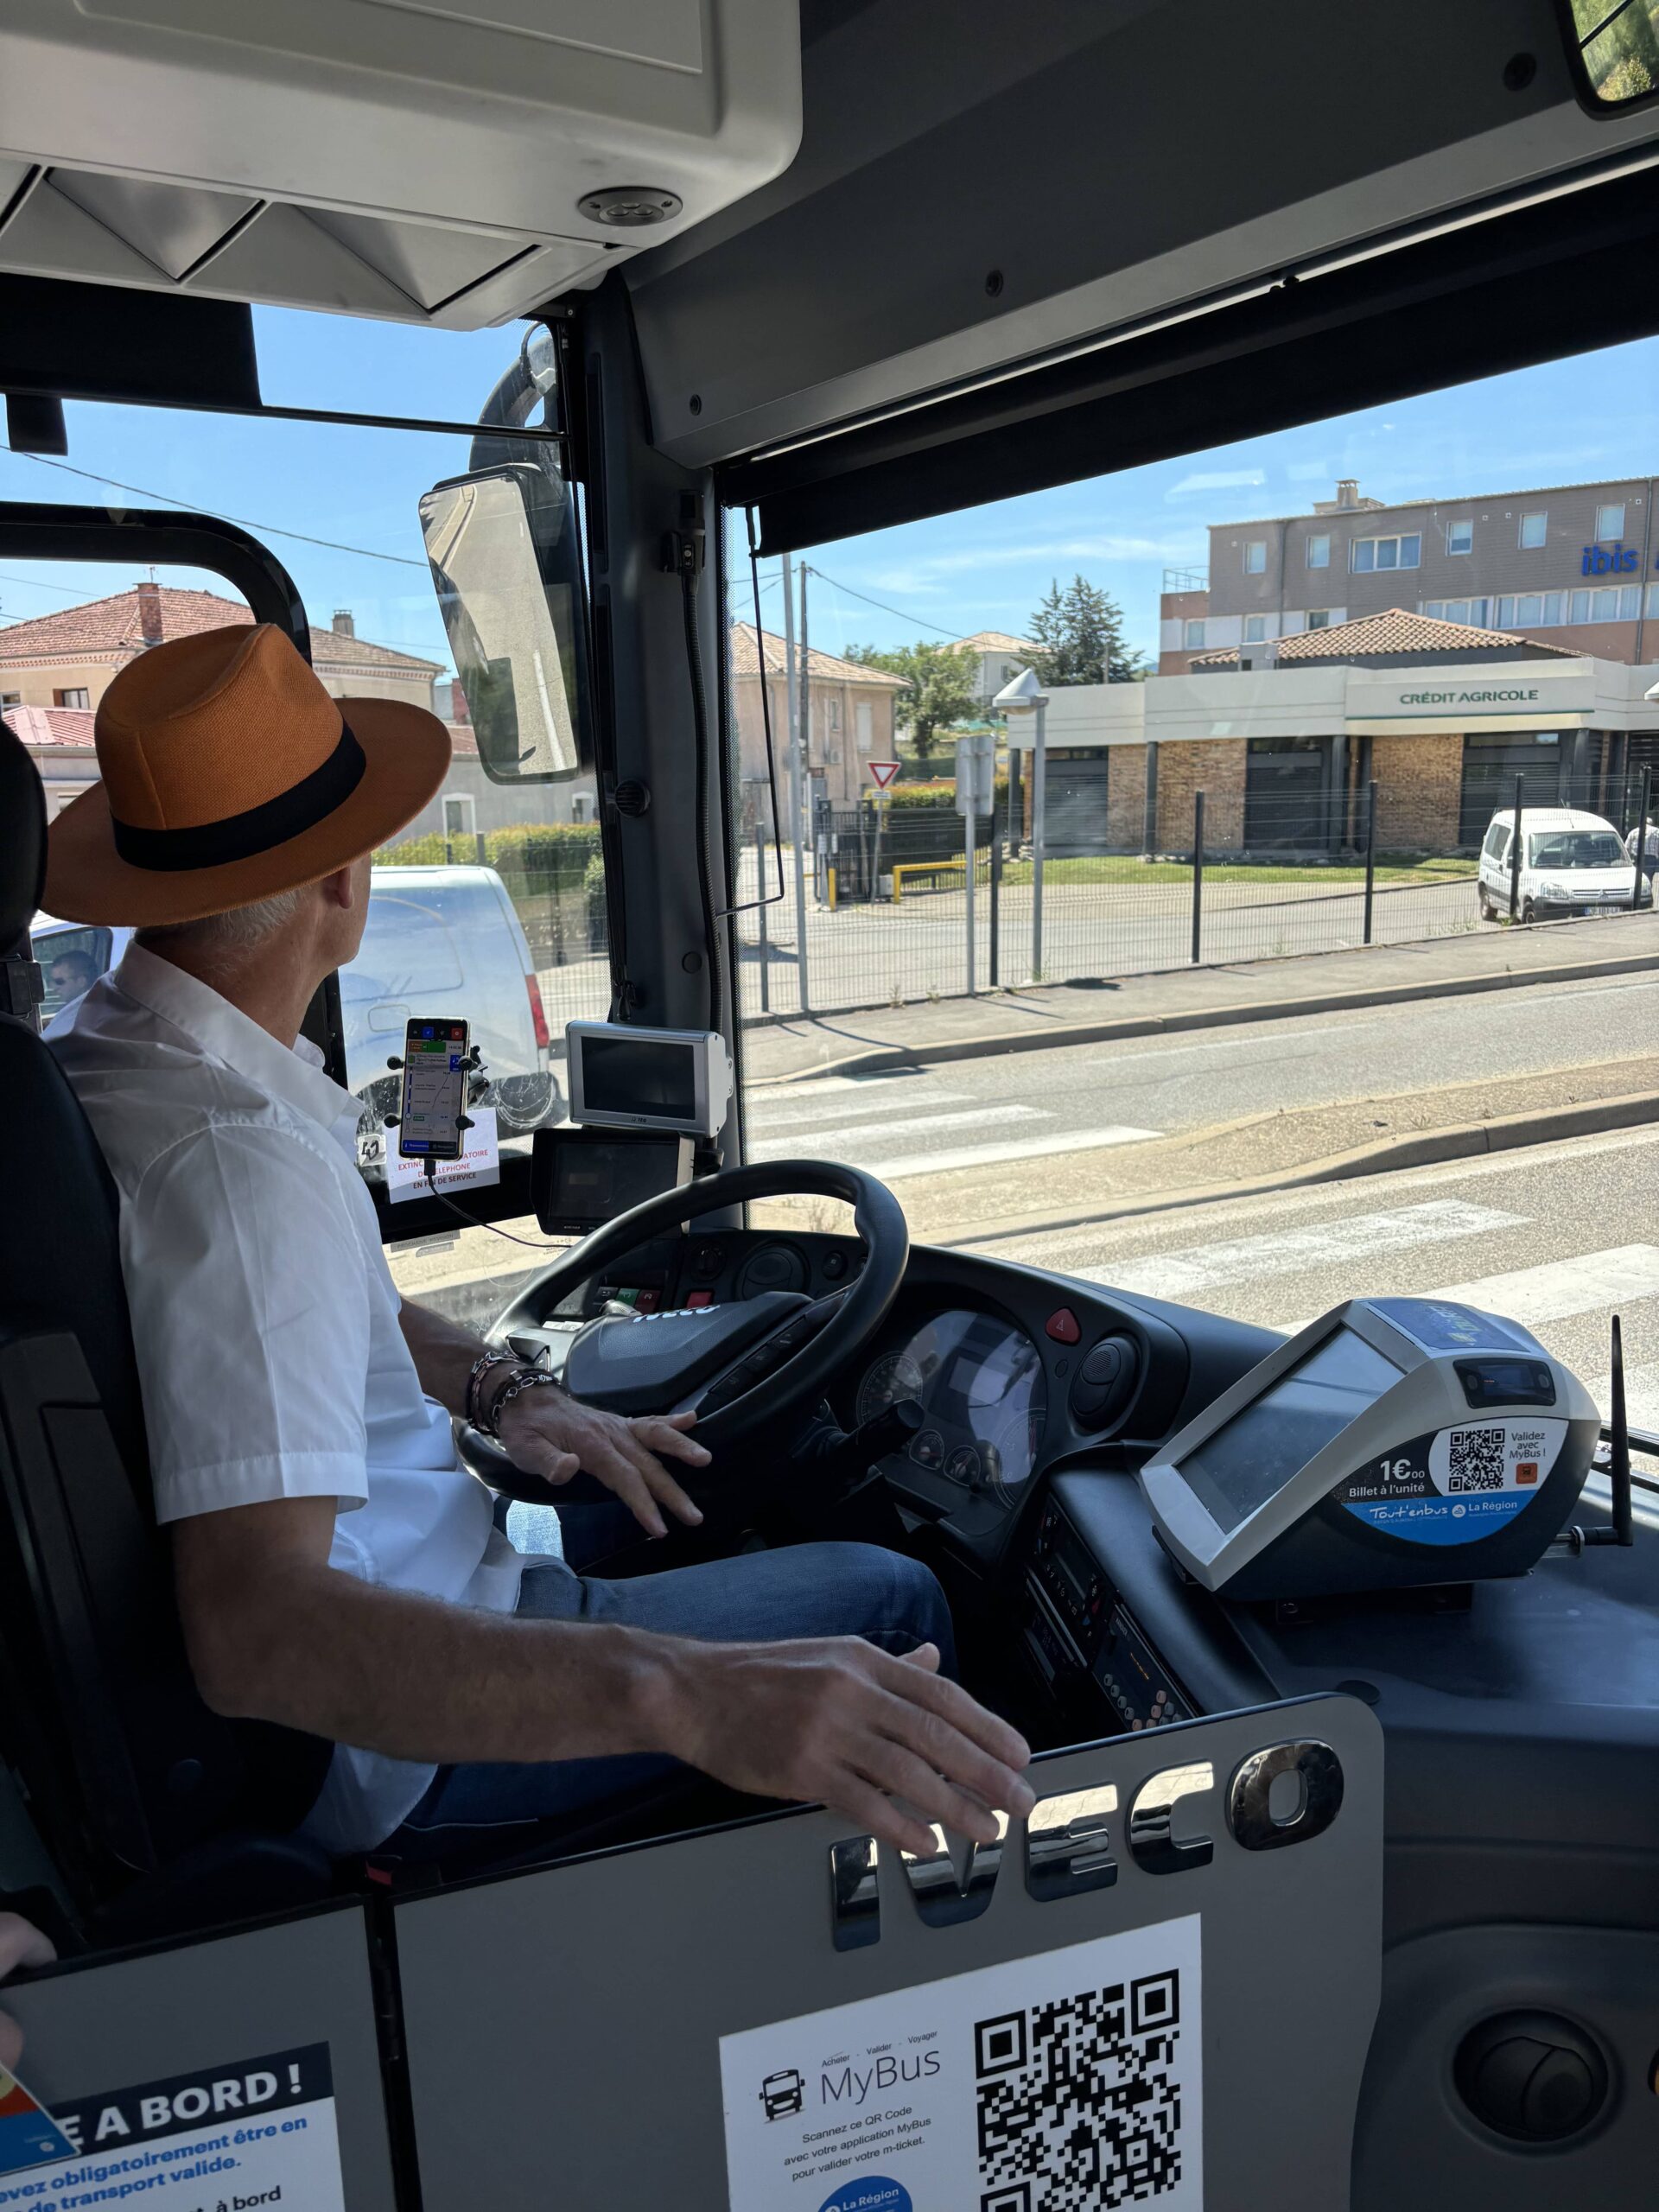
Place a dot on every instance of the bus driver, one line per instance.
(338, 1571)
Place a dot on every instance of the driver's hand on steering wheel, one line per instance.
(550, 1434)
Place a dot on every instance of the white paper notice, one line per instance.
(1067, 2082)
(256, 2132)
(480, 1163)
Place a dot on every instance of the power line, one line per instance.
(956, 637)
(269, 528)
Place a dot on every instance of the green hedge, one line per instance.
(554, 872)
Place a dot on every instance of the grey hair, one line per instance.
(225, 935)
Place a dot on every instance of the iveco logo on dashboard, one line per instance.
(1469, 698)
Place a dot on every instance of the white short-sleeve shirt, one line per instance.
(265, 1317)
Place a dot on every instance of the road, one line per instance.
(862, 955)
(1560, 1239)
(1038, 1107)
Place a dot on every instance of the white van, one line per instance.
(1571, 863)
(438, 940)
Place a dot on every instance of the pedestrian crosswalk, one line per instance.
(899, 1125)
(1359, 1240)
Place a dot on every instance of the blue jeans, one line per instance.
(805, 1590)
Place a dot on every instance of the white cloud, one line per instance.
(1216, 480)
(922, 575)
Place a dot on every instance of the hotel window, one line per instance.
(1318, 550)
(1369, 554)
(1319, 619)
(1192, 637)
(1610, 603)
(1256, 556)
(1459, 537)
(1610, 522)
(75, 697)
(1255, 629)
(1539, 610)
(1534, 530)
(1475, 613)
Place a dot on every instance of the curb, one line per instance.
(1390, 1155)
(875, 1059)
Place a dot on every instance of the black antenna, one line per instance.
(1621, 1529)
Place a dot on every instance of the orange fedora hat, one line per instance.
(230, 774)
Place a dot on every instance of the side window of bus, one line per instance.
(71, 959)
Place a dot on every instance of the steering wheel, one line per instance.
(742, 1367)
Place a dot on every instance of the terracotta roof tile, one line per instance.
(113, 629)
(59, 726)
(998, 641)
(1397, 631)
(825, 666)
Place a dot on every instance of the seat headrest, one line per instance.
(22, 838)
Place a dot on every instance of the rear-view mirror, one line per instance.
(1613, 45)
(506, 564)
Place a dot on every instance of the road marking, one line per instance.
(1560, 1288)
(768, 1115)
(911, 1125)
(994, 1155)
(1641, 1396)
(818, 1086)
(1295, 1251)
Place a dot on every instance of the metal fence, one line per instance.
(893, 915)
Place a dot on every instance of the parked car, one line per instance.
(1571, 863)
(438, 941)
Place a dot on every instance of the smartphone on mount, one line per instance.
(434, 1090)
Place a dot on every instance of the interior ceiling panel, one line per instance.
(420, 151)
(1071, 171)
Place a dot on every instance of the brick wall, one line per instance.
(1419, 786)
(1125, 798)
(1215, 767)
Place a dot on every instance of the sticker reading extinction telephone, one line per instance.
(434, 1090)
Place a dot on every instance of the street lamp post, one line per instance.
(1026, 695)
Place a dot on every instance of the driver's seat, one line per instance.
(128, 1772)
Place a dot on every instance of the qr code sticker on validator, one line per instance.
(1079, 2099)
(1475, 1459)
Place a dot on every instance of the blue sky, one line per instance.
(985, 569)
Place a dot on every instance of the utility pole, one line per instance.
(793, 690)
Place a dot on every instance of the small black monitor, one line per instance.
(581, 1179)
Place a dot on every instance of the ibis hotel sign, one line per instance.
(1536, 694)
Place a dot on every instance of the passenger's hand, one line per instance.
(22, 1944)
(550, 1434)
(840, 1721)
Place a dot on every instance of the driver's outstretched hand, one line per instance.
(548, 1433)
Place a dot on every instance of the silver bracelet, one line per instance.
(527, 1378)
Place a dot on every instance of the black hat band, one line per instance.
(239, 836)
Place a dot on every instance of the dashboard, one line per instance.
(981, 1384)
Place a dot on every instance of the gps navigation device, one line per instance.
(626, 1078)
(1396, 1441)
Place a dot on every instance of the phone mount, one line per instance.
(475, 1088)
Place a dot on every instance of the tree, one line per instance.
(1079, 634)
(942, 683)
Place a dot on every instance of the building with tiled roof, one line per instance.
(55, 668)
(1000, 658)
(850, 716)
(1395, 638)
(68, 658)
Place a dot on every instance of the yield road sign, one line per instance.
(883, 772)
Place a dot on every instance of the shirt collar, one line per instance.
(226, 1033)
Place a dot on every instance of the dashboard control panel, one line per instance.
(1080, 1623)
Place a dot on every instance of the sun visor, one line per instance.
(1500, 293)
(104, 341)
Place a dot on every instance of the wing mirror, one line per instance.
(503, 546)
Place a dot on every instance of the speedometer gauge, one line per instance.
(888, 1382)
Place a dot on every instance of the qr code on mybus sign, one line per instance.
(1079, 2099)
(1475, 1459)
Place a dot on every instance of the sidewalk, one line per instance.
(1198, 998)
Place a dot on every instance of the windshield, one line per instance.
(1210, 947)
(489, 905)
(1574, 849)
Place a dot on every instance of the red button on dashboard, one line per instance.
(700, 1298)
(1062, 1325)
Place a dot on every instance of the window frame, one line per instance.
(1258, 625)
(1541, 543)
(1466, 550)
(1320, 537)
(1318, 618)
(1376, 567)
(1252, 548)
(1189, 643)
(1611, 537)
